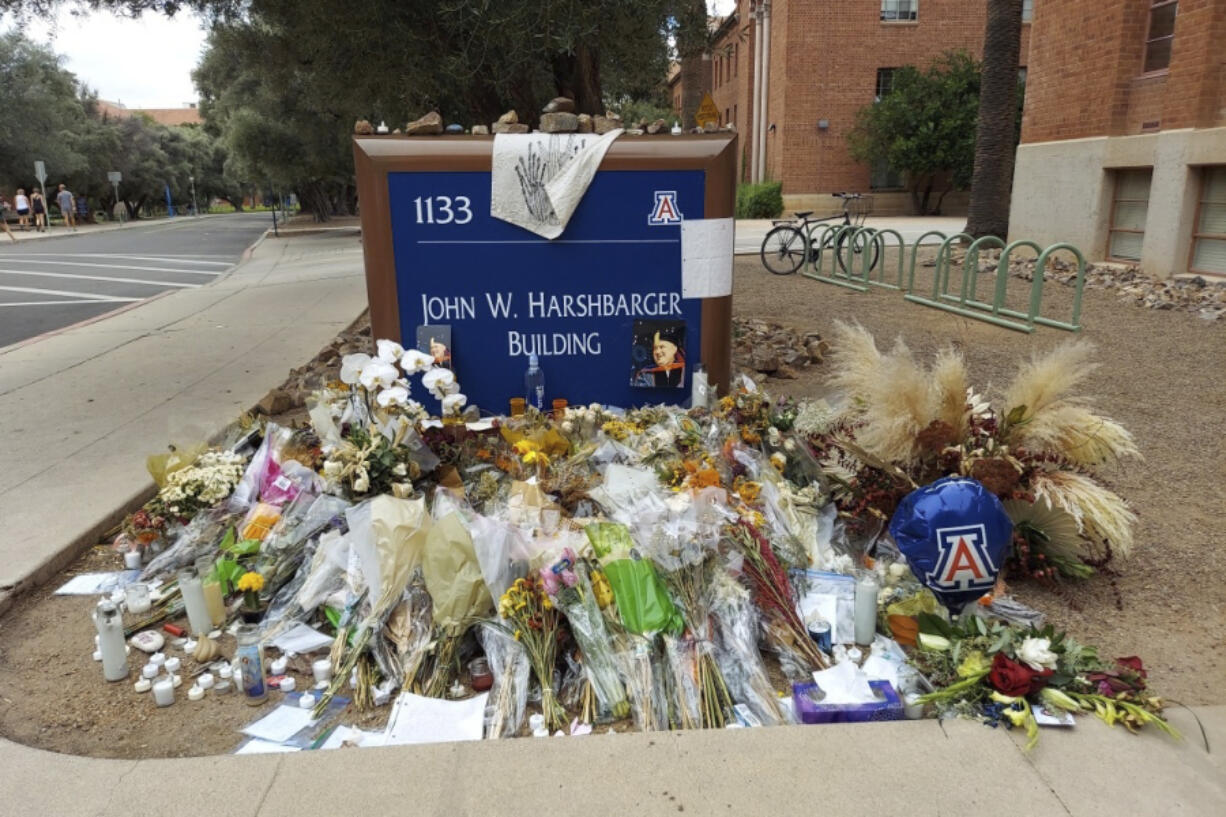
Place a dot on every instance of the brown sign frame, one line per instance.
(375, 157)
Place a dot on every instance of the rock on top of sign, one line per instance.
(481, 130)
(657, 127)
(508, 118)
(559, 104)
(363, 128)
(509, 127)
(559, 123)
(430, 124)
(585, 123)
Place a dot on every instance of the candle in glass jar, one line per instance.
(136, 598)
(866, 610)
(193, 599)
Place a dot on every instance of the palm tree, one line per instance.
(995, 140)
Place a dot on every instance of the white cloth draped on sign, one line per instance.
(538, 179)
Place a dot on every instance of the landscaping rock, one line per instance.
(559, 123)
(559, 104)
(429, 125)
(509, 127)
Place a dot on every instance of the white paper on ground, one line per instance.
(416, 719)
(279, 725)
(706, 257)
(255, 746)
(354, 736)
(301, 639)
(845, 684)
(90, 584)
(1052, 717)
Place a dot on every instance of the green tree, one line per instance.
(996, 143)
(40, 110)
(924, 128)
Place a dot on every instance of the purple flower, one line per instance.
(569, 578)
(568, 555)
(550, 580)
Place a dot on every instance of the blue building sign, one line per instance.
(604, 306)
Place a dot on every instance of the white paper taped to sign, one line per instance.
(706, 257)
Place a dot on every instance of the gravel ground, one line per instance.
(1160, 374)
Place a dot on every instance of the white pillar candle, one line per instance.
(131, 560)
(164, 693)
(866, 610)
(278, 665)
(322, 670)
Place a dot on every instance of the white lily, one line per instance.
(439, 382)
(389, 350)
(414, 361)
(393, 396)
(378, 374)
(351, 367)
(1036, 653)
(452, 403)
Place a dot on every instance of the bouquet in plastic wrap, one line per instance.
(568, 584)
(509, 664)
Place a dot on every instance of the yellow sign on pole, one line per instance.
(707, 112)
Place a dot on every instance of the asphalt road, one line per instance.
(55, 282)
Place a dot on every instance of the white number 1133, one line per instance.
(427, 214)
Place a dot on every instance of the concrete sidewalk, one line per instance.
(84, 406)
(951, 768)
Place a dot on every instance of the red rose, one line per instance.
(1008, 677)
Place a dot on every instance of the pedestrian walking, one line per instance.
(23, 209)
(66, 201)
(4, 217)
(38, 206)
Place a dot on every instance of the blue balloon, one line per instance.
(955, 535)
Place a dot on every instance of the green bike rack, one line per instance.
(941, 272)
(970, 269)
(835, 277)
(915, 254)
(966, 302)
(878, 238)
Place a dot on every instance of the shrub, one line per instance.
(763, 200)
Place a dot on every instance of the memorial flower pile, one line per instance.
(658, 567)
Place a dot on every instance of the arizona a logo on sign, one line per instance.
(665, 210)
(963, 563)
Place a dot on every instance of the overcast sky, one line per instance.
(144, 62)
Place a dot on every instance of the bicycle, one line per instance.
(790, 244)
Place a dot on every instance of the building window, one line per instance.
(736, 59)
(885, 82)
(894, 10)
(884, 177)
(1209, 233)
(1128, 211)
(1160, 36)
(1027, 10)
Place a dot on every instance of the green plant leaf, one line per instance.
(935, 625)
(1015, 415)
(226, 571)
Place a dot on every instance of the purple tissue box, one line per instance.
(888, 708)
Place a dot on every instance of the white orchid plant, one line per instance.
(372, 458)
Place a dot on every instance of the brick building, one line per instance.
(826, 60)
(1124, 134)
